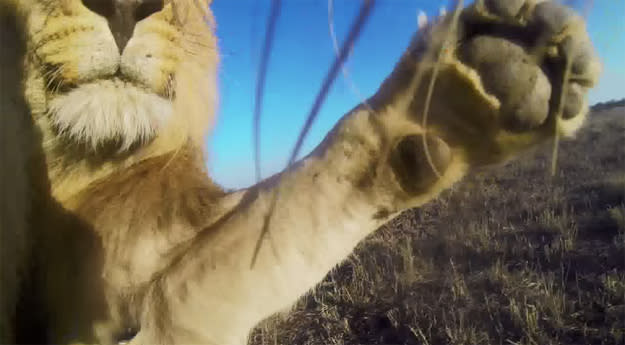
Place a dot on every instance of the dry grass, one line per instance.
(511, 256)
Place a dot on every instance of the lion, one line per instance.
(112, 228)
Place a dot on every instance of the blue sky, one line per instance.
(303, 52)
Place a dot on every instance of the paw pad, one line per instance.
(410, 164)
(509, 73)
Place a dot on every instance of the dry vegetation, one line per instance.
(511, 256)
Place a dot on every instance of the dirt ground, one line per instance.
(509, 256)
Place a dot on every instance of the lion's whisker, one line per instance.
(260, 81)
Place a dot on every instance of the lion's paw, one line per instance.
(509, 74)
(522, 57)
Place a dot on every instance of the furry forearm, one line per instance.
(327, 203)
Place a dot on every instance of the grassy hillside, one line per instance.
(511, 256)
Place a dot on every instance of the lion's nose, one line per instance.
(123, 15)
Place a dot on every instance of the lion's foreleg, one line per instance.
(368, 168)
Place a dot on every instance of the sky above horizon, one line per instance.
(303, 52)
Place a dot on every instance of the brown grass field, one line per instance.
(509, 256)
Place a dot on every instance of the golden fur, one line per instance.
(108, 213)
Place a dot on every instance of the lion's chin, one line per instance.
(108, 111)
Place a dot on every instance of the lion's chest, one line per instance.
(136, 218)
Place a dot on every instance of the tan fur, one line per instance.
(129, 231)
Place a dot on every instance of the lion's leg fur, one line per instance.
(370, 167)
(328, 203)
